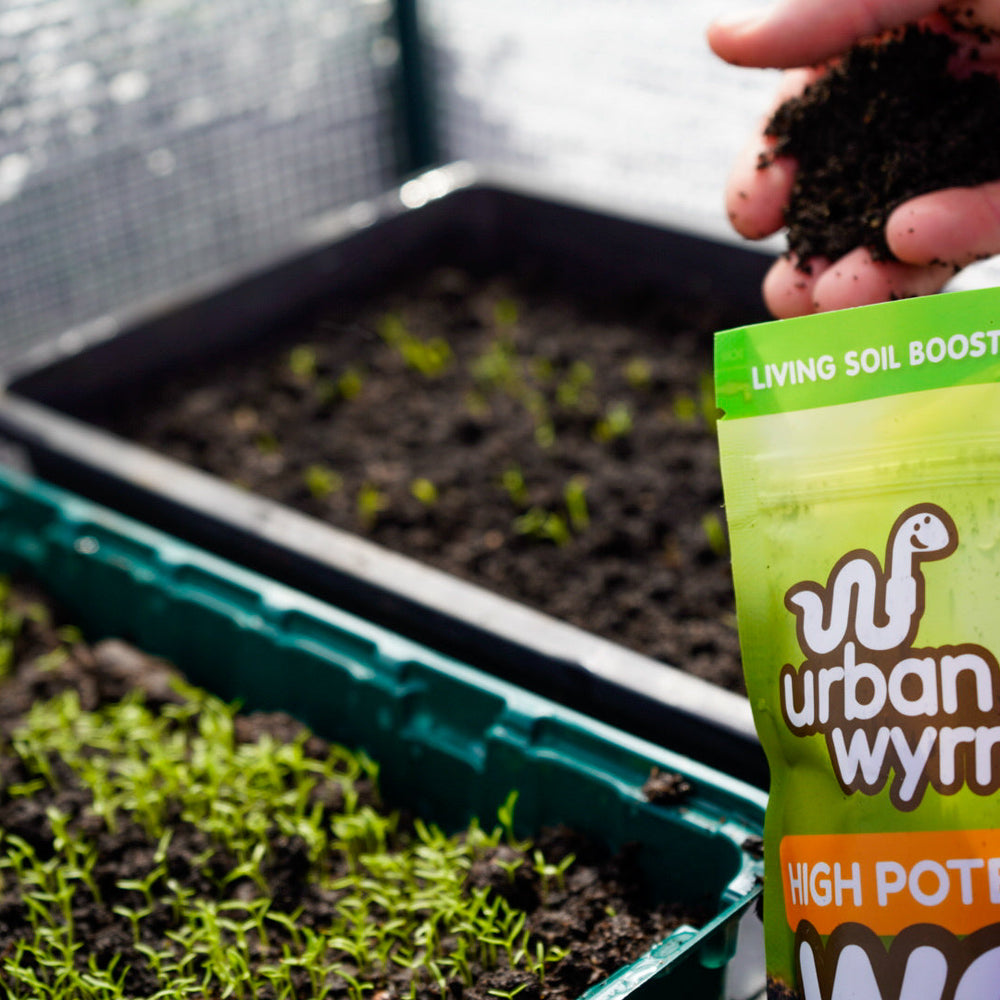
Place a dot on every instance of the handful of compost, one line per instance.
(861, 465)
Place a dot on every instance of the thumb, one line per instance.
(807, 32)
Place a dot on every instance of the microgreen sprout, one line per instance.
(550, 872)
(547, 525)
(575, 498)
(574, 391)
(431, 357)
(512, 480)
(322, 481)
(371, 501)
(302, 362)
(616, 423)
(350, 383)
(715, 533)
(638, 372)
(425, 491)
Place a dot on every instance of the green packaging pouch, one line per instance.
(861, 465)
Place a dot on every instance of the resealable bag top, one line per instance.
(861, 464)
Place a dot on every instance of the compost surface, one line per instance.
(556, 451)
(888, 123)
(597, 911)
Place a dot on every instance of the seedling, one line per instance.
(302, 362)
(371, 502)
(573, 392)
(508, 994)
(537, 522)
(575, 498)
(550, 872)
(512, 480)
(322, 481)
(350, 383)
(432, 357)
(616, 423)
(711, 524)
(425, 491)
(498, 367)
(638, 373)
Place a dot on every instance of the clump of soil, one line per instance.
(92, 882)
(887, 123)
(559, 452)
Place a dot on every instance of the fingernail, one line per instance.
(742, 21)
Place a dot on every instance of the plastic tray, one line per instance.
(452, 741)
(446, 215)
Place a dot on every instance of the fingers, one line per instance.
(790, 291)
(756, 196)
(806, 32)
(955, 226)
(854, 280)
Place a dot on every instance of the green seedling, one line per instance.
(575, 498)
(350, 383)
(550, 872)
(715, 533)
(302, 362)
(512, 480)
(371, 502)
(498, 367)
(432, 357)
(322, 481)
(508, 994)
(537, 522)
(425, 491)
(573, 392)
(616, 423)
(638, 373)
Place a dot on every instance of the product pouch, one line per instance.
(861, 464)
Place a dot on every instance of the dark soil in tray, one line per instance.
(886, 124)
(149, 888)
(559, 452)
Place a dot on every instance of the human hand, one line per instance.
(931, 236)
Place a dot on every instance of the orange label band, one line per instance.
(889, 881)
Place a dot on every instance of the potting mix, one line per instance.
(861, 462)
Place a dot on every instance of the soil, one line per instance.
(887, 123)
(557, 450)
(602, 914)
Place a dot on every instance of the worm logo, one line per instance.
(892, 712)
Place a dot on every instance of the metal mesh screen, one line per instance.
(620, 100)
(144, 143)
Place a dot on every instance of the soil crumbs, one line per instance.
(557, 452)
(111, 898)
(889, 122)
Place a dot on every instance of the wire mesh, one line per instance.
(144, 143)
(619, 100)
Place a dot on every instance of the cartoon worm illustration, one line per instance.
(888, 603)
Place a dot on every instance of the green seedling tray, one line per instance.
(452, 741)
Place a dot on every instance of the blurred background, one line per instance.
(146, 144)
